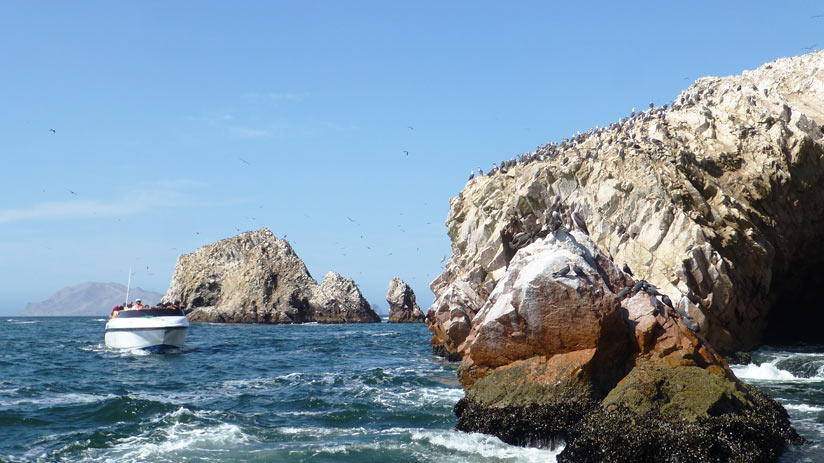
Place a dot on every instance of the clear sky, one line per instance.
(180, 123)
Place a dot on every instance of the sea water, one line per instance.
(276, 393)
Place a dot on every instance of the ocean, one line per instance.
(270, 393)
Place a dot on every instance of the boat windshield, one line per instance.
(153, 312)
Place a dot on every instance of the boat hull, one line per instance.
(146, 332)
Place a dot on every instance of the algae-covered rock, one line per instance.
(567, 342)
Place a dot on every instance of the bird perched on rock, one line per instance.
(638, 286)
(626, 270)
(666, 300)
(656, 306)
(578, 271)
(561, 273)
(624, 291)
(579, 221)
(471, 175)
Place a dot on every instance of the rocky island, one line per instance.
(593, 282)
(402, 305)
(255, 277)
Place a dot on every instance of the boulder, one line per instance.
(339, 300)
(255, 277)
(402, 305)
(716, 198)
(569, 348)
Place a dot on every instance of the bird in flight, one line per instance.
(72, 192)
(350, 218)
(407, 152)
(244, 161)
(410, 127)
(52, 130)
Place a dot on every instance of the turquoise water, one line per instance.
(265, 393)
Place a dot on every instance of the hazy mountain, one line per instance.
(87, 299)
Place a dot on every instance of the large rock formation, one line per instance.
(257, 278)
(338, 300)
(717, 199)
(568, 347)
(402, 305)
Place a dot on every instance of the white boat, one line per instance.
(153, 329)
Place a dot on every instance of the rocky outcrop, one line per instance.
(338, 300)
(255, 277)
(402, 305)
(569, 348)
(717, 199)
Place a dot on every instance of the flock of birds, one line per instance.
(622, 132)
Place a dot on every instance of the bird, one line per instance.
(244, 161)
(578, 271)
(52, 130)
(471, 175)
(72, 192)
(410, 127)
(657, 308)
(666, 300)
(350, 218)
(624, 291)
(407, 152)
(579, 221)
(562, 272)
(627, 270)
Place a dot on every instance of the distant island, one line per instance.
(89, 298)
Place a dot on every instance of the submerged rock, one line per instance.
(402, 305)
(255, 277)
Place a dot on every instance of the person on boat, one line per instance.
(138, 304)
(116, 310)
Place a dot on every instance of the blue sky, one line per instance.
(181, 123)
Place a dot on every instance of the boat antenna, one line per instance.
(128, 285)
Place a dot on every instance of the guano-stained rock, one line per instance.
(255, 277)
(716, 198)
(338, 300)
(402, 305)
(714, 202)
